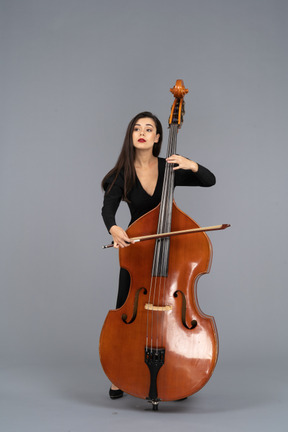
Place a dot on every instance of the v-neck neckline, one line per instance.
(151, 196)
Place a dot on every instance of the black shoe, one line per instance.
(115, 394)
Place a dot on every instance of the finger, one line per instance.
(173, 156)
(126, 239)
(124, 243)
(174, 161)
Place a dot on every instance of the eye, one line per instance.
(149, 130)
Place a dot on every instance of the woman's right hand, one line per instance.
(120, 237)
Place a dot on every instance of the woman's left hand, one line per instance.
(182, 163)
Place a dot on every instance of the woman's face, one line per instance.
(144, 134)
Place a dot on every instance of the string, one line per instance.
(161, 251)
(166, 225)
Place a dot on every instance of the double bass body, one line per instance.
(187, 336)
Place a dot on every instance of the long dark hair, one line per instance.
(127, 155)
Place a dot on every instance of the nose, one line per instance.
(142, 132)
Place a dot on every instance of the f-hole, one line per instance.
(135, 308)
(183, 314)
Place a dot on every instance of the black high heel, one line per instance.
(115, 394)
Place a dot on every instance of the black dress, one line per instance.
(140, 202)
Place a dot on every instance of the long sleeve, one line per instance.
(203, 177)
(112, 200)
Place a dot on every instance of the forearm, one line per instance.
(202, 177)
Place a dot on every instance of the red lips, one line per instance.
(141, 140)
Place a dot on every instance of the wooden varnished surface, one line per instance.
(190, 355)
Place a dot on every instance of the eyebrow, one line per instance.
(147, 124)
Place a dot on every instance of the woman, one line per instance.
(137, 178)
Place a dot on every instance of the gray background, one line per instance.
(73, 75)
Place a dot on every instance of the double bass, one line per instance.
(159, 345)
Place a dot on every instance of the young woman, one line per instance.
(137, 178)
